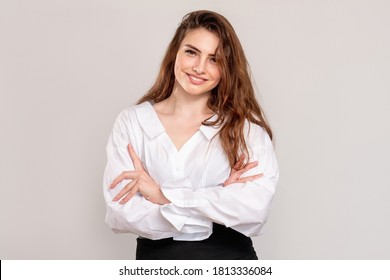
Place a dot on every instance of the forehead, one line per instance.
(202, 39)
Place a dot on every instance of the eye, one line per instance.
(190, 52)
(213, 60)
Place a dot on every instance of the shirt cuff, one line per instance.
(190, 226)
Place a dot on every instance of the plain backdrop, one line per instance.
(321, 70)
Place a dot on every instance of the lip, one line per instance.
(196, 80)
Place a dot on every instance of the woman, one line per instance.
(191, 169)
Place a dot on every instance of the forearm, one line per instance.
(243, 205)
(144, 218)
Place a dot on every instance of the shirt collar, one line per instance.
(210, 131)
(149, 120)
(153, 127)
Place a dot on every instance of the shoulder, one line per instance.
(256, 135)
(128, 120)
(129, 124)
(132, 113)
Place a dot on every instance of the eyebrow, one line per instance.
(196, 49)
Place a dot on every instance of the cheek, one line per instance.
(217, 74)
(181, 66)
(177, 67)
(181, 62)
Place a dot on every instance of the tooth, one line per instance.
(197, 79)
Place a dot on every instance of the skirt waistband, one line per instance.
(223, 244)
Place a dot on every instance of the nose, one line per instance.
(199, 67)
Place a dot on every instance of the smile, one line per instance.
(196, 80)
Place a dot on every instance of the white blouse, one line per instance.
(191, 178)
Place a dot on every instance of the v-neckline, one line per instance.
(172, 144)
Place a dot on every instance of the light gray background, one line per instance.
(67, 68)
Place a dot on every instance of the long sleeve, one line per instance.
(241, 206)
(139, 216)
(191, 178)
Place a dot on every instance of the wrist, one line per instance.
(163, 199)
(158, 198)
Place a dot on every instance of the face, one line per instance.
(196, 68)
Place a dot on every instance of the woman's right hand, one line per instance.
(240, 168)
(141, 183)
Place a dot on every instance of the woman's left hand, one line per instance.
(240, 168)
(141, 182)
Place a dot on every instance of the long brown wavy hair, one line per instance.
(233, 99)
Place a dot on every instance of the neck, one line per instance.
(187, 105)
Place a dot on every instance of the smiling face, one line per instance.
(196, 68)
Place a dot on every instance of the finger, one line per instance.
(136, 161)
(242, 180)
(124, 175)
(227, 182)
(239, 164)
(125, 190)
(249, 178)
(247, 167)
(129, 195)
(236, 174)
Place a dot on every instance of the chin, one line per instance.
(198, 92)
(195, 89)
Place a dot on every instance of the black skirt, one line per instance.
(223, 244)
